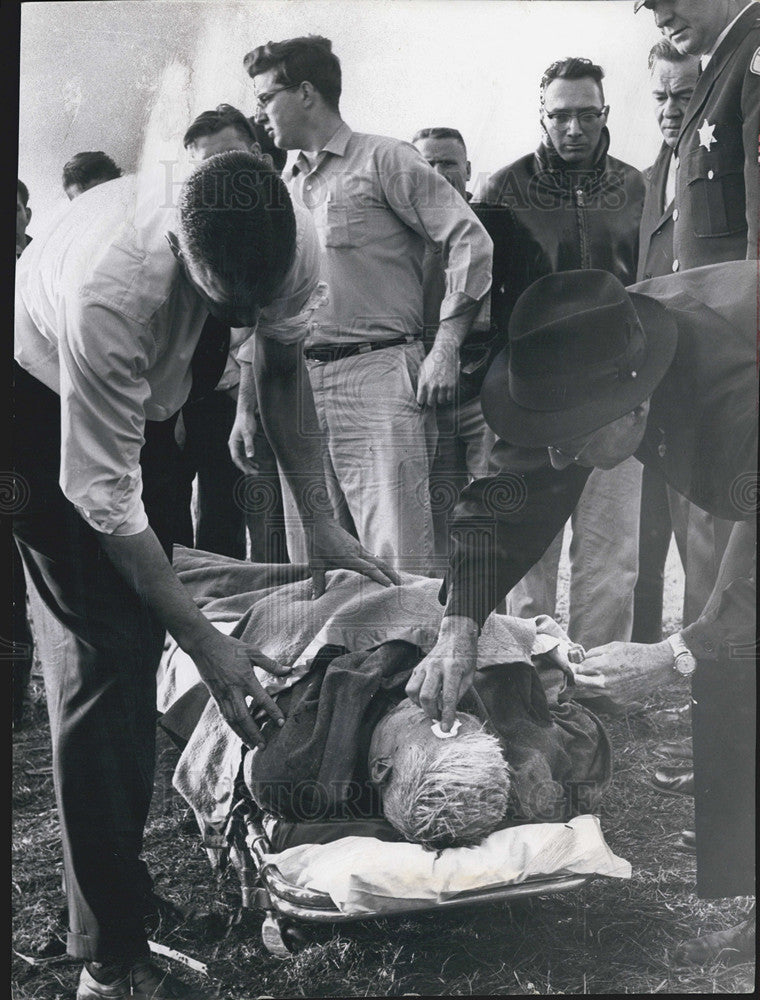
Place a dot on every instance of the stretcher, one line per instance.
(285, 905)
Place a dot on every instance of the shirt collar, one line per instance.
(707, 56)
(336, 145)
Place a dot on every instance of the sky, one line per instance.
(127, 76)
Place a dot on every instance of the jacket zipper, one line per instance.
(580, 205)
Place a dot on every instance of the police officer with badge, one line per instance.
(716, 154)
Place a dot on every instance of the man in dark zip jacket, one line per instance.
(571, 206)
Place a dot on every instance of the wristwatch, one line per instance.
(683, 659)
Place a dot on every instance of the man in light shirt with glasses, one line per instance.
(375, 203)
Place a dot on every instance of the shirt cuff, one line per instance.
(116, 509)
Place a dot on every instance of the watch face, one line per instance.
(685, 665)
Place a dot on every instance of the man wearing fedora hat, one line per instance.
(595, 373)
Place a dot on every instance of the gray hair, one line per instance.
(666, 51)
(451, 794)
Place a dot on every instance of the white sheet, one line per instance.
(365, 875)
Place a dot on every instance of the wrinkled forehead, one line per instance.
(674, 76)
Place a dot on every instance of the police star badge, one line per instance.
(706, 135)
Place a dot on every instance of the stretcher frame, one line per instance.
(264, 888)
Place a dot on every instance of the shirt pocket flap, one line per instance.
(714, 191)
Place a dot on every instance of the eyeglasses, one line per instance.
(262, 100)
(577, 455)
(586, 118)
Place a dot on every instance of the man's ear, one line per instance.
(468, 175)
(173, 242)
(28, 216)
(380, 770)
(641, 412)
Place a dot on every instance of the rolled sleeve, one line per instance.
(104, 357)
(430, 206)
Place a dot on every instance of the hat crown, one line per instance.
(570, 334)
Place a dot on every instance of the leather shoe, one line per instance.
(673, 781)
(676, 749)
(687, 842)
(672, 714)
(142, 980)
(735, 944)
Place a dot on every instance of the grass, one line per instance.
(611, 937)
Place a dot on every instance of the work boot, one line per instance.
(140, 980)
(735, 944)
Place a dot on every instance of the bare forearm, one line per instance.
(141, 560)
(286, 410)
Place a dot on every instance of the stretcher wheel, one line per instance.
(276, 938)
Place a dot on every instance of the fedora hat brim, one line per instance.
(529, 428)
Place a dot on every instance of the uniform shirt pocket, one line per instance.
(715, 191)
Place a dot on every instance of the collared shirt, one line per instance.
(705, 58)
(105, 318)
(375, 202)
(670, 184)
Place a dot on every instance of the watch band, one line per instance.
(683, 658)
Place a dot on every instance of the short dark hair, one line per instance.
(439, 132)
(665, 50)
(84, 168)
(572, 68)
(23, 192)
(295, 60)
(237, 219)
(211, 122)
(265, 141)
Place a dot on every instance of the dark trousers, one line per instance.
(228, 500)
(723, 725)
(701, 541)
(23, 646)
(99, 647)
(655, 531)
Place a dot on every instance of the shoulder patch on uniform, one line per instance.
(755, 64)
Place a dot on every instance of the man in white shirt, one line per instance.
(109, 310)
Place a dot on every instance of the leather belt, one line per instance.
(335, 352)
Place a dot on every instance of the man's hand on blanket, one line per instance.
(331, 547)
(439, 681)
(226, 668)
(625, 671)
(241, 442)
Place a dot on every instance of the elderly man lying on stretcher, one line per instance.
(354, 756)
